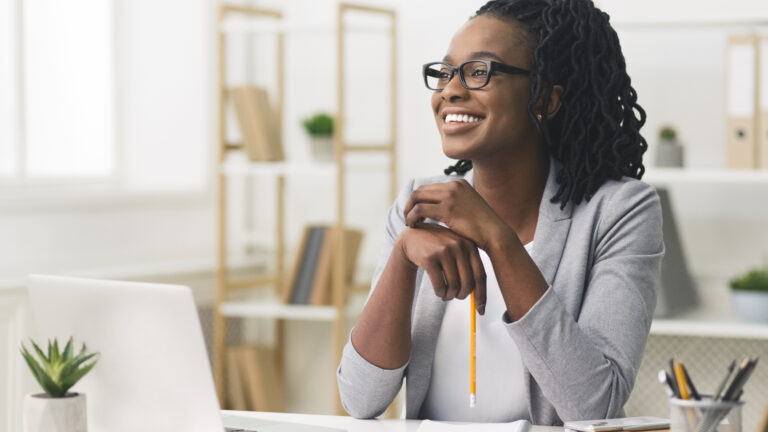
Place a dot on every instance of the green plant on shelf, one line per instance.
(755, 280)
(319, 125)
(58, 370)
(667, 132)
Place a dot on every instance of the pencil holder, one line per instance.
(704, 415)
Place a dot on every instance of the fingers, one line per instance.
(478, 271)
(452, 278)
(466, 272)
(421, 211)
(435, 272)
(461, 272)
(426, 193)
(439, 194)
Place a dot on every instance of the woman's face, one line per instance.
(498, 124)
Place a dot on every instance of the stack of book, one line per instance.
(253, 375)
(310, 282)
(259, 124)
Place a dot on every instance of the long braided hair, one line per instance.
(596, 132)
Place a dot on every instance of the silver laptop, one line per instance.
(153, 372)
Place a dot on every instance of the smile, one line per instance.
(461, 118)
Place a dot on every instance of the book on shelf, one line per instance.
(260, 375)
(259, 125)
(311, 279)
(321, 288)
(235, 390)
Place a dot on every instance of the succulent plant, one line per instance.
(667, 132)
(754, 280)
(58, 371)
(320, 124)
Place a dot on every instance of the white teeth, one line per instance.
(461, 118)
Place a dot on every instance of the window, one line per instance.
(8, 107)
(56, 75)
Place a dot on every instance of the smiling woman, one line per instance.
(545, 223)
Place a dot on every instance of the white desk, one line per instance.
(241, 418)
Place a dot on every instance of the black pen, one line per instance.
(741, 377)
(689, 381)
(716, 396)
(675, 387)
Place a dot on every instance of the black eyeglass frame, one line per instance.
(493, 66)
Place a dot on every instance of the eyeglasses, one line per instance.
(473, 74)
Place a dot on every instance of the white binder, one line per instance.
(742, 102)
(762, 91)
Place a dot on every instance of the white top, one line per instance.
(500, 389)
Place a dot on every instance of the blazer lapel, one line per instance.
(551, 228)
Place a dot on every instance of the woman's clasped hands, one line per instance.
(450, 255)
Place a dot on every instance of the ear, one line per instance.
(554, 102)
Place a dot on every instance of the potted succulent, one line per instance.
(56, 410)
(750, 295)
(669, 152)
(320, 130)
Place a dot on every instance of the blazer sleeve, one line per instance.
(585, 365)
(367, 390)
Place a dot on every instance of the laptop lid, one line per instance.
(153, 372)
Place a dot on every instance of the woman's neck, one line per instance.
(514, 189)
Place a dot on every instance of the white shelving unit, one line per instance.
(709, 329)
(237, 166)
(276, 310)
(676, 176)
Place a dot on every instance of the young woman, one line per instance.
(544, 218)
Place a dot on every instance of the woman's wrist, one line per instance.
(501, 240)
(399, 251)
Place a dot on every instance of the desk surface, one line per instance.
(241, 419)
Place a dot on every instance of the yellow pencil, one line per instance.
(680, 378)
(472, 359)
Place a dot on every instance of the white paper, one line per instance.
(515, 426)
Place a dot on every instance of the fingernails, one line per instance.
(481, 309)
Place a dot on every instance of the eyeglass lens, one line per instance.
(474, 74)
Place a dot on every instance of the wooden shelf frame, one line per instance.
(224, 286)
(336, 312)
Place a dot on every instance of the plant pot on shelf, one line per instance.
(669, 153)
(43, 413)
(750, 295)
(752, 306)
(322, 148)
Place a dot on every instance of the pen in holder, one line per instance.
(705, 415)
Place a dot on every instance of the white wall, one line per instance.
(679, 73)
(161, 214)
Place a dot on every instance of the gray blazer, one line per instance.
(581, 343)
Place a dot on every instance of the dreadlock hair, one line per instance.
(596, 132)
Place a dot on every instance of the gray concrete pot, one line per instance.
(322, 148)
(669, 153)
(43, 413)
(752, 306)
